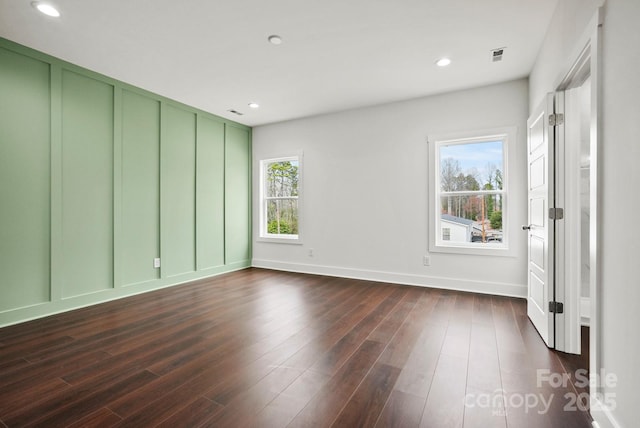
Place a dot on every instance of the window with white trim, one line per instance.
(468, 188)
(280, 187)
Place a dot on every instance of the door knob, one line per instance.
(527, 227)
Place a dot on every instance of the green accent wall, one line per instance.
(24, 180)
(210, 193)
(98, 178)
(140, 187)
(237, 207)
(178, 172)
(87, 184)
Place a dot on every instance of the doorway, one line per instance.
(562, 197)
(578, 137)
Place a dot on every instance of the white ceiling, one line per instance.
(336, 54)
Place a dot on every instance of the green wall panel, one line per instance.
(210, 193)
(178, 178)
(140, 241)
(25, 160)
(87, 184)
(237, 194)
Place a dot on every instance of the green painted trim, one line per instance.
(161, 270)
(196, 235)
(117, 187)
(224, 198)
(57, 262)
(250, 216)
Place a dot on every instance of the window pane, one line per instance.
(471, 218)
(471, 166)
(282, 179)
(282, 217)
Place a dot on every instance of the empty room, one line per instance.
(319, 213)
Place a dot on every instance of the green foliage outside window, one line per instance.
(282, 190)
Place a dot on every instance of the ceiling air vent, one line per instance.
(496, 54)
(235, 112)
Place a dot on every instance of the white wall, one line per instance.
(365, 190)
(566, 27)
(620, 303)
(619, 287)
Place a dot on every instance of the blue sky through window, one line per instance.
(474, 157)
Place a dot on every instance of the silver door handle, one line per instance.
(527, 227)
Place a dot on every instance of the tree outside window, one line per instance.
(471, 191)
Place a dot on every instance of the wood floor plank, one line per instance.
(44, 346)
(325, 405)
(366, 404)
(21, 399)
(445, 403)
(282, 409)
(101, 418)
(135, 360)
(10, 365)
(345, 346)
(64, 409)
(50, 368)
(408, 333)
(401, 410)
(192, 415)
(484, 403)
(417, 374)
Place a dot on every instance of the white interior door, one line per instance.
(540, 266)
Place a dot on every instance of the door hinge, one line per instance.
(556, 307)
(556, 213)
(556, 119)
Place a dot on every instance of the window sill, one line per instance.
(465, 250)
(280, 240)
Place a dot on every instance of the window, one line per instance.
(280, 198)
(469, 193)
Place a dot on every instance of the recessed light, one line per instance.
(443, 62)
(254, 105)
(275, 39)
(46, 8)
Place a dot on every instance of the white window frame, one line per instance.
(264, 235)
(436, 243)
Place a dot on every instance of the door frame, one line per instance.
(587, 55)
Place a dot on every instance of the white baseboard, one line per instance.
(500, 289)
(585, 311)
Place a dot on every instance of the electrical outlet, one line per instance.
(426, 260)
(156, 262)
(310, 252)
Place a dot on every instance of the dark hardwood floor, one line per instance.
(259, 348)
